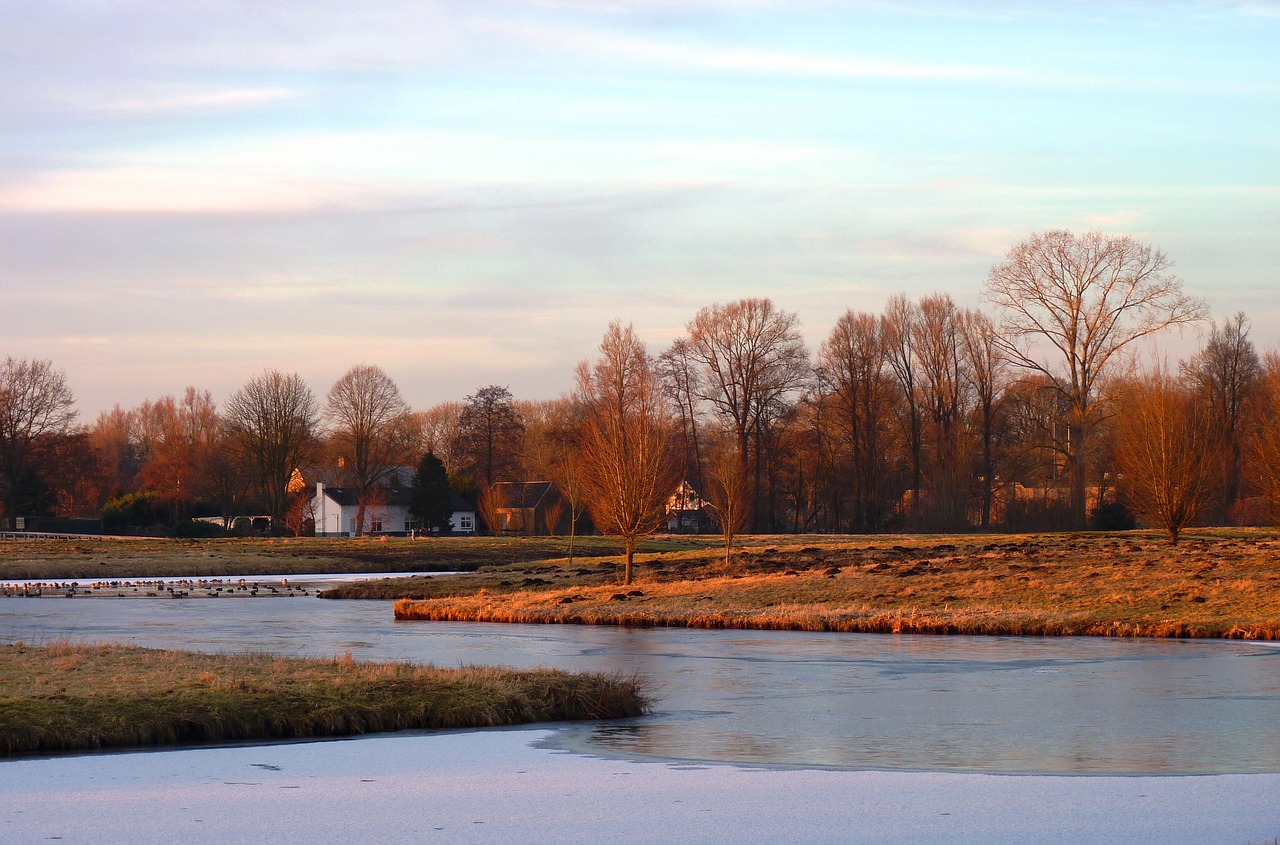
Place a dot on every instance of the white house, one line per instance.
(335, 511)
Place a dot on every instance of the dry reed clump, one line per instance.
(107, 695)
(1128, 585)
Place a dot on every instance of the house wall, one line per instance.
(463, 522)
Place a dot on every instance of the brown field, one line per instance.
(1221, 583)
(72, 697)
(96, 559)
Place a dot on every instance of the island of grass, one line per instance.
(1214, 583)
(67, 697)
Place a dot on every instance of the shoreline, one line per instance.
(85, 697)
(1209, 586)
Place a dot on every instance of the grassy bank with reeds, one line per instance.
(65, 697)
(98, 559)
(1212, 584)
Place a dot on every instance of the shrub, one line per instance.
(193, 528)
(1113, 516)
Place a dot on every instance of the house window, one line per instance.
(466, 522)
(375, 526)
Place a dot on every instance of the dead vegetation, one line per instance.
(71, 697)
(1213, 584)
(91, 559)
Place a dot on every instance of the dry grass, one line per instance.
(69, 697)
(1213, 584)
(49, 560)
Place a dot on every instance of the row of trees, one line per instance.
(926, 416)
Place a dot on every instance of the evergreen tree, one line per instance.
(431, 494)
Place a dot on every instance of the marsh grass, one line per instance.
(1213, 584)
(90, 559)
(68, 696)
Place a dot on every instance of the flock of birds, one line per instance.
(157, 588)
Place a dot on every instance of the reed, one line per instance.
(1223, 584)
(66, 696)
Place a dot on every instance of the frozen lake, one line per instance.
(1008, 705)
(836, 738)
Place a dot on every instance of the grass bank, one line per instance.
(94, 559)
(1212, 584)
(65, 696)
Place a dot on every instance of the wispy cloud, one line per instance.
(198, 101)
(705, 57)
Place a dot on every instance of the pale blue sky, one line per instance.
(467, 193)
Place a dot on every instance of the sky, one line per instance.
(467, 194)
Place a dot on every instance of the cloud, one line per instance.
(143, 188)
(704, 57)
(198, 101)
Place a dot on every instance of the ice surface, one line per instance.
(502, 787)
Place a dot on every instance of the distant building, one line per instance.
(528, 507)
(336, 509)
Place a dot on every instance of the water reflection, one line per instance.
(785, 698)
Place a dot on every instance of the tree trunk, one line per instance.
(1079, 489)
(630, 555)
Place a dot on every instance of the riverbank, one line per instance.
(1212, 584)
(91, 559)
(66, 697)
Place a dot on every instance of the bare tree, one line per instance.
(437, 431)
(271, 423)
(1070, 306)
(680, 379)
(901, 316)
(177, 438)
(752, 359)
(987, 380)
(944, 389)
(1226, 373)
(488, 437)
(1262, 445)
(728, 494)
(36, 409)
(114, 438)
(1165, 451)
(566, 467)
(370, 431)
(628, 471)
(853, 361)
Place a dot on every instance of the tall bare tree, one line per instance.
(901, 317)
(944, 385)
(853, 361)
(752, 361)
(1262, 444)
(628, 469)
(1070, 306)
(487, 445)
(1166, 449)
(370, 432)
(271, 423)
(680, 379)
(178, 438)
(36, 410)
(987, 379)
(437, 430)
(1226, 372)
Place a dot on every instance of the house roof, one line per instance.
(520, 494)
(346, 496)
